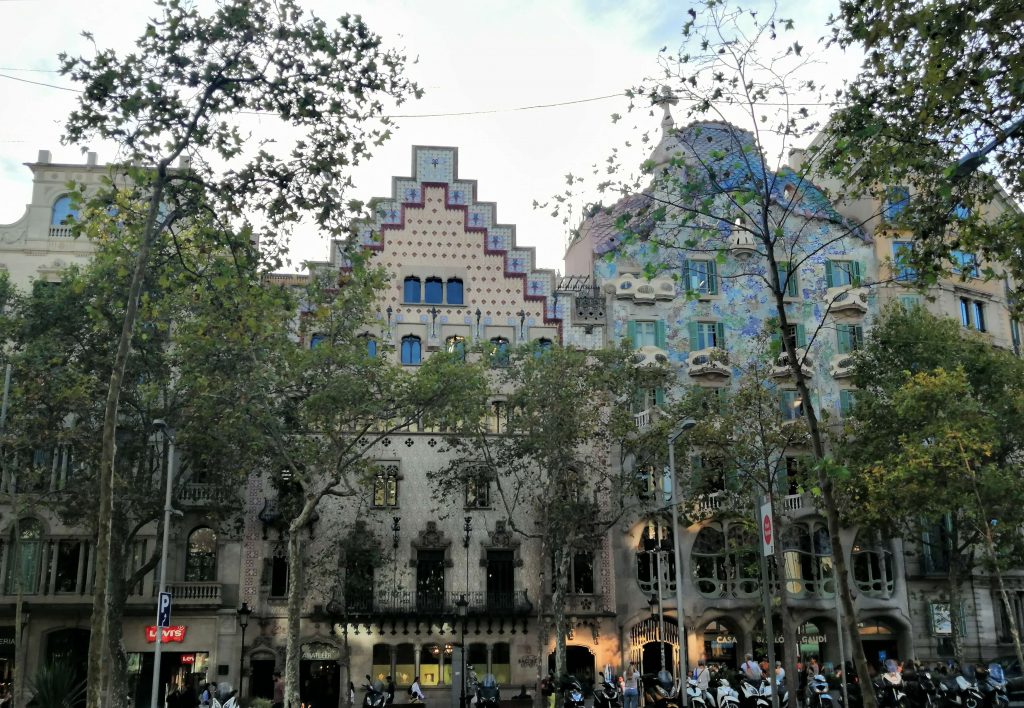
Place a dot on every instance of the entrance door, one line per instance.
(261, 678)
(430, 581)
(579, 662)
(500, 580)
(319, 683)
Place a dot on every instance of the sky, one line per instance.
(487, 58)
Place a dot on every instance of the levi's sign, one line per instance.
(169, 634)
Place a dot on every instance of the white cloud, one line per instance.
(473, 55)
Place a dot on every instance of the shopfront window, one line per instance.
(501, 663)
(430, 665)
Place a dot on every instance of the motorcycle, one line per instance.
(889, 687)
(572, 693)
(992, 684)
(921, 690)
(608, 696)
(818, 695)
(696, 697)
(488, 695)
(725, 696)
(764, 695)
(664, 693)
(749, 691)
(960, 691)
(375, 696)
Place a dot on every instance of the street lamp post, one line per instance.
(396, 522)
(168, 510)
(684, 426)
(463, 607)
(243, 613)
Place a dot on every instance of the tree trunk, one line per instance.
(562, 558)
(990, 546)
(542, 635)
(955, 626)
(843, 586)
(99, 620)
(291, 666)
(118, 679)
(19, 600)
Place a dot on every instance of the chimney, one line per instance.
(44, 157)
(90, 159)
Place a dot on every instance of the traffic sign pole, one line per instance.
(766, 523)
(163, 614)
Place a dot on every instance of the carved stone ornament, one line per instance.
(432, 538)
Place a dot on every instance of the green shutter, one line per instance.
(696, 472)
(659, 334)
(792, 285)
(639, 403)
(781, 477)
(777, 345)
(659, 396)
(732, 480)
(712, 277)
(855, 271)
(631, 332)
(845, 402)
(720, 334)
(692, 327)
(829, 279)
(685, 269)
(801, 336)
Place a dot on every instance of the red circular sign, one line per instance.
(767, 529)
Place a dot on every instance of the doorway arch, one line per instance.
(579, 662)
(645, 644)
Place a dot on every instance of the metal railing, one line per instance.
(387, 601)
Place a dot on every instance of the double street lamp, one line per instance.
(462, 605)
(684, 426)
(243, 613)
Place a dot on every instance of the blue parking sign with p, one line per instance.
(163, 610)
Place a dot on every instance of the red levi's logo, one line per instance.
(170, 634)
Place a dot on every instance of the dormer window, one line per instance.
(411, 289)
(433, 291)
(455, 294)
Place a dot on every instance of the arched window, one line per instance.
(656, 560)
(62, 211)
(412, 350)
(433, 291)
(456, 345)
(873, 565)
(279, 571)
(708, 563)
(316, 340)
(201, 555)
(26, 557)
(499, 351)
(741, 548)
(371, 345)
(411, 289)
(454, 287)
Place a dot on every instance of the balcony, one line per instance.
(641, 290)
(642, 420)
(581, 605)
(708, 504)
(846, 299)
(410, 603)
(197, 494)
(61, 232)
(651, 356)
(195, 593)
(794, 502)
(841, 366)
(782, 369)
(710, 363)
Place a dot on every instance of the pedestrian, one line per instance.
(547, 689)
(351, 693)
(630, 687)
(390, 691)
(812, 667)
(780, 674)
(702, 675)
(472, 684)
(415, 692)
(750, 668)
(278, 691)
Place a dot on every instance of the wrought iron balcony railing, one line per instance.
(387, 601)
